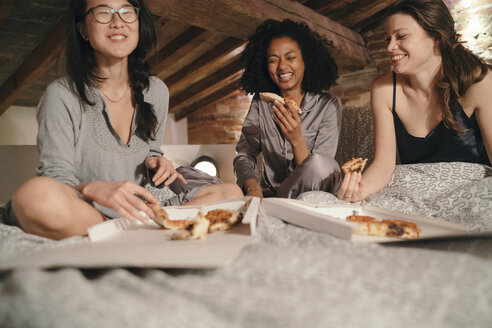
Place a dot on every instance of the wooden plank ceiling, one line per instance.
(200, 43)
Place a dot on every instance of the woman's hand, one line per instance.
(290, 124)
(351, 187)
(163, 170)
(122, 197)
(253, 188)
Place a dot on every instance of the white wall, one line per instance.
(175, 133)
(18, 126)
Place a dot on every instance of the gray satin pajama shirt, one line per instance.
(320, 123)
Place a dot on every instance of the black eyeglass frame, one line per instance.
(113, 12)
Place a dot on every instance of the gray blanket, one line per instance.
(287, 276)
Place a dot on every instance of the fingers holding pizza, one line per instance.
(286, 113)
(351, 187)
(271, 97)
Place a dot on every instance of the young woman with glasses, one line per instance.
(100, 129)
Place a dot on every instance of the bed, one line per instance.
(286, 275)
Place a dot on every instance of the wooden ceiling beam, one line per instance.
(353, 14)
(239, 19)
(324, 5)
(182, 45)
(225, 91)
(208, 82)
(39, 61)
(229, 47)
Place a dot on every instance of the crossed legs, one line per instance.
(46, 207)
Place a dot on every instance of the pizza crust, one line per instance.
(162, 219)
(271, 97)
(370, 226)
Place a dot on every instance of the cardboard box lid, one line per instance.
(122, 243)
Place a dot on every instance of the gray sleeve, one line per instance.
(329, 129)
(160, 100)
(58, 122)
(248, 147)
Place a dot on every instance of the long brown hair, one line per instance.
(460, 68)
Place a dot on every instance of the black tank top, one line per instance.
(441, 144)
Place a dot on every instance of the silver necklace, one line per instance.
(115, 101)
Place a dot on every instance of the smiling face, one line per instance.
(112, 41)
(410, 47)
(285, 65)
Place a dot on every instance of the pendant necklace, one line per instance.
(118, 100)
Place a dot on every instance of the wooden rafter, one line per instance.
(41, 59)
(177, 48)
(208, 82)
(234, 18)
(354, 13)
(229, 47)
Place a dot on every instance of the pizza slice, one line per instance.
(370, 226)
(271, 97)
(214, 220)
(197, 230)
(354, 165)
(162, 219)
(221, 220)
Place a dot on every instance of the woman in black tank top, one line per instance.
(434, 107)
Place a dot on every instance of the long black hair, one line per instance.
(460, 68)
(82, 65)
(320, 72)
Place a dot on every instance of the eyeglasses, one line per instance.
(105, 14)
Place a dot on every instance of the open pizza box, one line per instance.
(124, 243)
(330, 219)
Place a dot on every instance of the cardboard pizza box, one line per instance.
(330, 219)
(124, 243)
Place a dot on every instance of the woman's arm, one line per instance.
(247, 150)
(58, 115)
(164, 170)
(478, 96)
(354, 187)
(161, 106)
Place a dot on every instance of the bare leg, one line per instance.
(215, 193)
(49, 208)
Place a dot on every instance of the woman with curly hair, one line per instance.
(291, 60)
(435, 105)
(100, 129)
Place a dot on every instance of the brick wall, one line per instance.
(221, 123)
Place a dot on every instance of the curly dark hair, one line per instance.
(82, 66)
(320, 73)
